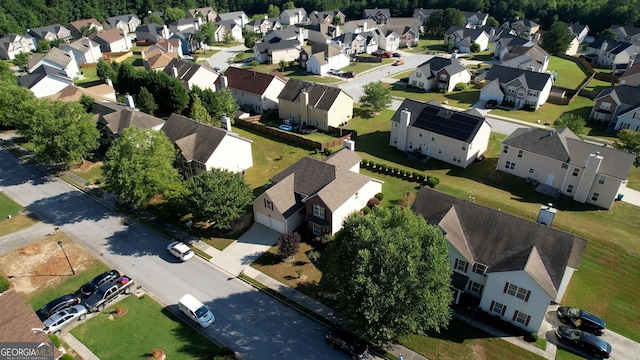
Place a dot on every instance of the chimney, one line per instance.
(299, 15)
(349, 144)
(304, 97)
(109, 82)
(129, 100)
(546, 215)
(174, 71)
(364, 26)
(405, 119)
(224, 82)
(225, 122)
(266, 16)
(300, 36)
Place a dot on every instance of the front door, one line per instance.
(549, 179)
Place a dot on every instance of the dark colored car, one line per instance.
(584, 341)
(93, 285)
(349, 74)
(53, 306)
(397, 54)
(377, 53)
(347, 342)
(581, 319)
(490, 104)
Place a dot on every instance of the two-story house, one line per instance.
(533, 58)
(157, 59)
(127, 23)
(380, 16)
(388, 39)
(514, 268)
(57, 59)
(352, 43)
(628, 34)
(45, 80)
(317, 194)
(359, 26)
(302, 102)
(152, 33)
(327, 17)
(516, 88)
(238, 16)
(202, 147)
(558, 159)
(81, 28)
(293, 16)
(113, 40)
(252, 88)
(610, 52)
(475, 19)
(631, 75)
(51, 33)
(408, 36)
(463, 38)
(228, 27)
(615, 102)
(522, 27)
(111, 125)
(422, 14)
(506, 42)
(85, 51)
(14, 44)
(263, 25)
(326, 57)
(206, 13)
(276, 50)
(455, 137)
(191, 74)
(439, 73)
(579, 32)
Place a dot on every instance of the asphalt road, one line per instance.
(248, 321)
(221, 58)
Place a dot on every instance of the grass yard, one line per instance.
(550, 112)
(462, 99)
(427, 45)
(360, 67)
(146, 326)
(8, 207)
(17, 221)
(403, 74)
(598, 85)
(570, 74)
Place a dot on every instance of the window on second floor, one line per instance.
(479, 268)
(418, 74)
(318, 211)
(602, 179)
(605, 106)
(443, 77)
(461, 265)
(520, 152)
(268, 204)
(595, 196)
(519, 292)
(505, 149)
(576, 171)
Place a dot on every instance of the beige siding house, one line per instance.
(564, 164)
(192, 74)
(252, 88)
(302, 102)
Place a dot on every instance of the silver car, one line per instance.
(58, 321)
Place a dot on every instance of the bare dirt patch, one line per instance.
(42, 264)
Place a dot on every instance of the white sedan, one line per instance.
(180, 250)
(58, 321)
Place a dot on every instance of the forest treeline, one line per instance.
(16, 16)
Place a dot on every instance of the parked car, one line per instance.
(249, 59)
(386, 54)
(490, 104)
(347, 342)
(584, 341)
(58, 321)
(180, 250)
(196, 310)
(349, 74)
(58, 304)
(107, 292)
(93, 285)
(395, 54)
(398, 62)
(377, 53)
(581, 319)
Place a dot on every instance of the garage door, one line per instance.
(269, 222)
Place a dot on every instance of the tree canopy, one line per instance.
(629, 140)
(575, 123)
(556, 41)
(376, 96)
(392, 274)
(442, 19)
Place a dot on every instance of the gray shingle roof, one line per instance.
(118, 121)
(42, 72)
(186, 69)
(311, 175)
(276, 45)
(612, 46)
(501, 241)
(534, 80)
(41, 32)
(372, 12)
(294, 12)
(431, 67)
(433, 117)
(320, 96)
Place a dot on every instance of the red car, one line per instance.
(386, 54)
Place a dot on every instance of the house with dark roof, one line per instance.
(610, 52)
(631, 75)
(113, 40)
(516, 88)
(302, 102)
(263, 25)
(287, 33)
(439, 73)
(14, 44)
(628, 34)
(463, 38)
(422, 14)
(276, 50)
(252, 89)
(84, 51)
(51, 33)
(77, 27)
(56, 58)
(455, 137)
(352, 43)
(228, 27)
(506, 42)
(191, 74)
(325, 57)
(618, 107)
(293, 16)
(113, 124)
(202, 147)
(316, 194)
(560, 161)
(152, 33)
(327, 17)
(388, 39)
(206, 13)
(579, 32)
(522, 27)
(407, 29)
(238, 16)
(359, 26)
(475, 19)
(45, 80)
(533, 58)
(127, 23)
(512, 267)
(188, 23)
(380, 16)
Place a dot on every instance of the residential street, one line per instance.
(221, 58)
(247, 320)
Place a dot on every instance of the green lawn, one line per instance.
(403, 74)
(550, 112)
(428, 45)
(462, 99)
(91, 175)
(146, 326)
(8, 207)
(570, 74)
(598, 85)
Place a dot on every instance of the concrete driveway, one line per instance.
(253, 243)
(221, 58)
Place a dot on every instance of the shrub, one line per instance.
(431, 182)
(313, 255)
(475, 47)
(55, 340)
(67, 357)
(373, 202)
(254, 63)
(460, 86)
(328, 151)
(434, 178)
(396, 170)
(4, 284)
(415, 175)
(479, 66)
(366, 210)
(378, 165)
(365, 162)
(380, 196)
(288, 245)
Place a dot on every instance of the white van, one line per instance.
(196, 310)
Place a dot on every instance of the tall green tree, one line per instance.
(273, 11)
(557, 40)
(223, 103)
(87, 102)
(392, 275)
(217, 196)
(21, 60)
(155, 19)
(197, 111)
(12, 98)
(62, 132)
(575, 123)
(288, 5)
(442, 19)
(106, 71)
(146, 102)
(172, 14)
(139, 166)
(207, 29)
(629, 140)
(376, 96)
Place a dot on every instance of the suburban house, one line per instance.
(516, 88)
(422, 14)
(317, 194)
(455, 137)
(388, 39)
(113, 40)
(127, 23)
(359, 26)
(326, 57)
(628, 34)
(533, 58)
(512, 267)
(113, 124)
(579, 32)
(238, 16)
(262, 26)
(57, 59)
(51, 33)
(503, 45)
(352, 43)
(206, 13)
(191, 74)
(187, 40)
(610, 52)
(203, 147)
(615, 102)
(439, 73)
(302, 102)
(327, 17)
(152, 33)
(45, 80)
(14, 44)
(475, 19)
(252, 88)
(293, 16)
(322, 33)
(167, 46)
(463, 38)
(380, 16)
(228, 26)
(407, 35)
(560, 161)
(523, 27)
(272, 52)
(157, 59)
(79, 28)
(631, 75)
(287, 33)
(184, 24)
(85, 51)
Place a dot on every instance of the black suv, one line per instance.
(581, 319)
(584, 341)
(56, 305)
(347, 342)
(93, 285)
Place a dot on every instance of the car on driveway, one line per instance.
(347, 342)
(490, 104)
(93, 285)
(377, 53)
(61, 303)
(386, 54)
(108, 292)
(63, 318)
(580, 319)
(584, 341)
(395, 54)
(180, 250)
